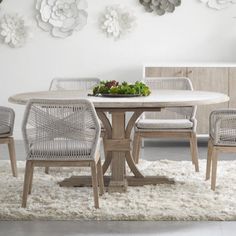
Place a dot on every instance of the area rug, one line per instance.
(189, 199)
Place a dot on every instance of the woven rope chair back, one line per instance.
(170, 83)
(82, 84)
(7, 117)
(60, 129)
(223, 127)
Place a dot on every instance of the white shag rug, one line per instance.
(189, 199)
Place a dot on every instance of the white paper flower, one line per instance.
(218, 4)
(117, 21)
(13, 30)
(61, 17)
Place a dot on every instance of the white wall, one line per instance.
(194, 33)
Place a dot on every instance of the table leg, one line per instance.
(118, 142)
(118, 181)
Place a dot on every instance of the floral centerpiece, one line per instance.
(114, 88)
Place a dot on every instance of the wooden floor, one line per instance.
(104, 228)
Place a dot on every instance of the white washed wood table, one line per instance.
(118, 141)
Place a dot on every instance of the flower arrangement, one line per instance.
(117, 21)
(61, 17)
(113, 87)
(160, 7)
(13, 30)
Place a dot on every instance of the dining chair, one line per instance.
(222, 138)
(85, 85)
(62, 133)
(82, 84)
(7, 118)
(173, 122)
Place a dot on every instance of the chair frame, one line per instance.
(190, 134)
(215, 146)
(94, 164)
(79, 79)
(9, 140)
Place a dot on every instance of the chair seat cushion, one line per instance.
(61, 150)
(4, 129)
(164, 124)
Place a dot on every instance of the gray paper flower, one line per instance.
(61, 17)
(160, 7)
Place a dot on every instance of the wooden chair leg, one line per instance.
(209, 155)
(136, 147)
(46, 170)
(12, 154)
(31, 178)
(194, 151)
(214, 168)
(100, 177)
(26, 183)
(95, 184)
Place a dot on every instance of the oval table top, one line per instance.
(158, 98)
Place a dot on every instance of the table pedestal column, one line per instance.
(118, 182)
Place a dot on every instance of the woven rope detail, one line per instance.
(166, 83)
(81, 84)
(223, 127)
(64, 130)
(7, 117)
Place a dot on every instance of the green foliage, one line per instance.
(113, 87)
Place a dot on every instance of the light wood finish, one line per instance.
(213, 79)
(194, 150)
(139, 135)
(96, 171)
(164, 71)
(11, 148)
(209, 154)
(118, 180)
(86, 181)
(217, 79)
(232, 87)
(212, 159)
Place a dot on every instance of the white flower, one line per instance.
(218, 4)
(61, 17)
(117, 21)
(13, 30)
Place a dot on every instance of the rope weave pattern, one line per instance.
(81, 84)
(60, 130)
(171, 83)
(7, 118)
(223, 127)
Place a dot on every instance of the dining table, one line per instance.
(118, 129)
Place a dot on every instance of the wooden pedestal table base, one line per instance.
(118, 151)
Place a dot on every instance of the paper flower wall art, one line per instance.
(13, 30)
(218, 4)
(61, 17)
(160, 7)
(117, 21)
